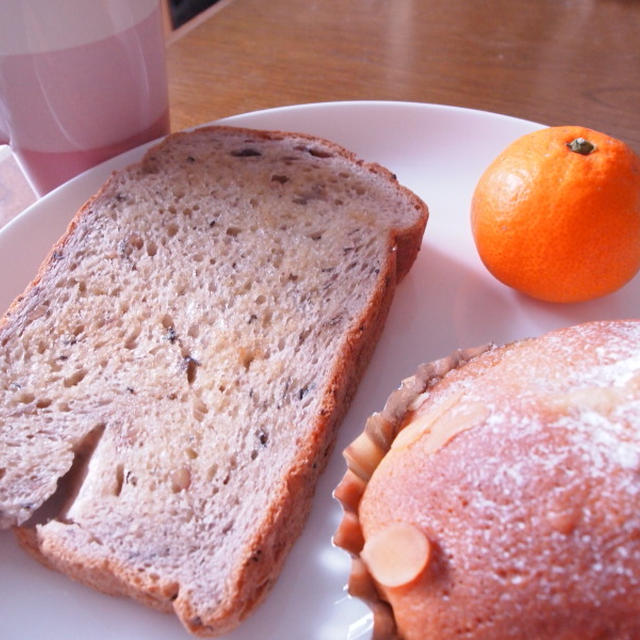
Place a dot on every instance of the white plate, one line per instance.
(447, 301)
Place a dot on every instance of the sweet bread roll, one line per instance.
(497, 495)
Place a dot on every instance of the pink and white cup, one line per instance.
(80, 82)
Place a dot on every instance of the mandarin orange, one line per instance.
(557, 214)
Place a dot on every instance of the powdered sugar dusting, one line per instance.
(606, 444)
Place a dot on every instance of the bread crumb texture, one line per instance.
(531, 509)
(174, 374)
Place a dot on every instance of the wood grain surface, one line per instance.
(552, 61)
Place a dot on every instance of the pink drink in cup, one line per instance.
(80, 81)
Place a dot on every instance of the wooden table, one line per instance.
(552, 61)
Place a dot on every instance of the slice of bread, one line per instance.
(173, 377)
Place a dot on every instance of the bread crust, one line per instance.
(71, 548)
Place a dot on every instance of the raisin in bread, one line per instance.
(173, 377)
(496, 494)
